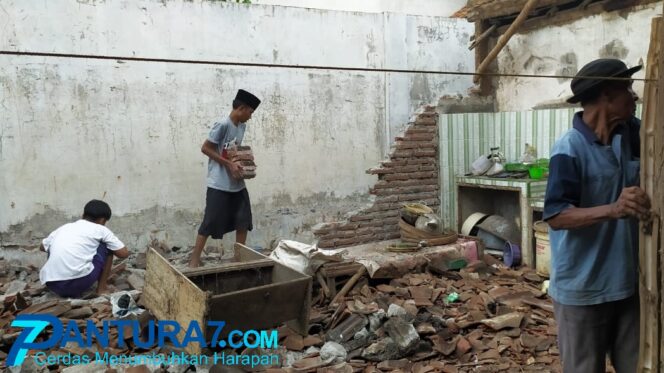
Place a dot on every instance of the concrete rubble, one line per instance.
(500, 321)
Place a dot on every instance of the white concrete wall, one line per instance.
(431, 8)
(130, 132)
(562, 50)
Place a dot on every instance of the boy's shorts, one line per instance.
(74, 288)
(226, 212)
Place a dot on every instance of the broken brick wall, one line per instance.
(411, 174)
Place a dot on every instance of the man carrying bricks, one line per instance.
(227, 206)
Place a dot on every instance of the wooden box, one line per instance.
(250, 292)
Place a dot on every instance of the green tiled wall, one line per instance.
(464, 137)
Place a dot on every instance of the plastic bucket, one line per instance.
(542, 254)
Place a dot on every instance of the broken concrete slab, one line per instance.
(510, 320)
(402, 333)
(384, 349)
(15, 287)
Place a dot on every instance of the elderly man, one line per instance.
(593, 205)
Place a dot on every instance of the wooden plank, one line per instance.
(261, 307)
(230, 281)
(228, 267)
(652, 168)
(244, 254)
(502, 41)
(170, 295)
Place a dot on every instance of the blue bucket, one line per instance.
(511, 254)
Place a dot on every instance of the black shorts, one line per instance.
(225, 212)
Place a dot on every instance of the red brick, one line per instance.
(347, 234)
(348, 227)
(393, 163)
(427, 114)
(423, 160)
(424, 152)
(423, 137)
(428, 168)
(326, 244)
(405, 169)
(386, 198)
(402, 154)
(426, 122)
(404, 190)
(345, 242)
(399, 176)
(364, 231)
(403, 145)
(370, 237)
(381, 184)
(380, 171)
(420, 130)
(402, 183)
(418, 196)
(431, 202)
(371, 223)
(360, 217)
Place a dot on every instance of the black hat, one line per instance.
(247, 99)
(603, 68)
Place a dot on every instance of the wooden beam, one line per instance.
(482, 37)
(502, 41)
(487, 9)
(562, 17)
(651, 257)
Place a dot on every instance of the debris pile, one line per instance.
(483, 318)
(480, 318)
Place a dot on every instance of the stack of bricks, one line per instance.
(410, 175)
(245, 156)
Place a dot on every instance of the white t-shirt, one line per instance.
(71, 249)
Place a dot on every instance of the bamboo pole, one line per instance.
(502, 41)
(349, 285)
(651, 258)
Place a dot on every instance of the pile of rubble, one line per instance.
(484, 318)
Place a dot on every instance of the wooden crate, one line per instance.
(250, 292)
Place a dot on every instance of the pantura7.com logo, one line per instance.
(158, 333)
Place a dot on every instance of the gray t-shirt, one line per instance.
(225, 134)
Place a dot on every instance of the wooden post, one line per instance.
(502, 41)
(651, 257)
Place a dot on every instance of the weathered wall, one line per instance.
(130, 132)
(562, 50)
(418, 7)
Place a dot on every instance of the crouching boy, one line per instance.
(80, 254)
